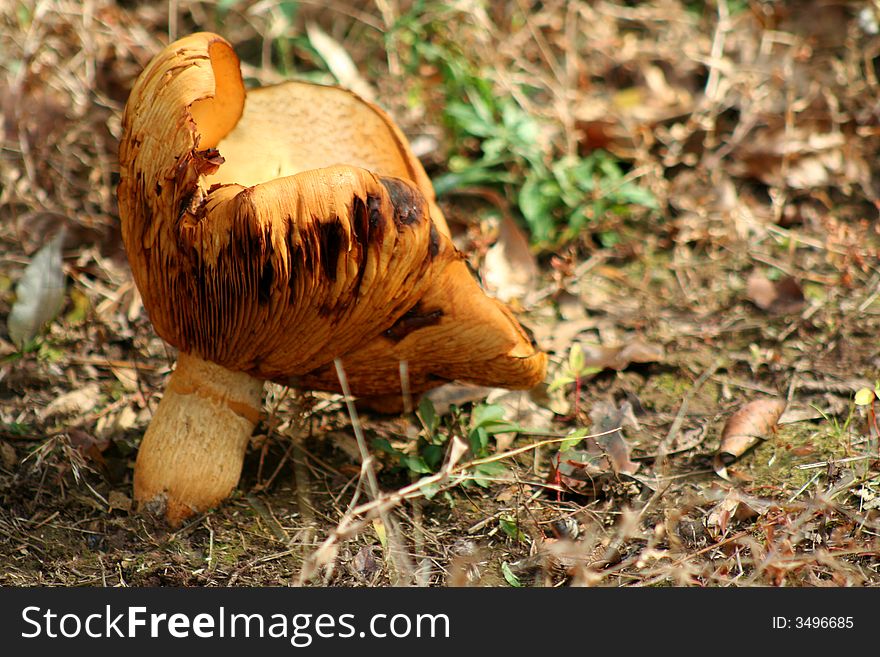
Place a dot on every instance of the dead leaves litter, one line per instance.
(782, 297)
(602, 453)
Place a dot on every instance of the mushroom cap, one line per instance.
(274, 230)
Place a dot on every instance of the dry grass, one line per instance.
(753, 124)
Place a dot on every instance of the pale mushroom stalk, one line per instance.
(192, 453)
(269, 233)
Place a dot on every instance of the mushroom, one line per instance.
(270, 232)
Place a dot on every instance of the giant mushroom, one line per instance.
(270, 232)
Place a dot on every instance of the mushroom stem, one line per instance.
(191, 456)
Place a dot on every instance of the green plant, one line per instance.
(574, 371)
(499, 143)
(425, 455)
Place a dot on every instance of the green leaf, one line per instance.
(433, 456)
(511, 528)
(573, 440)
(428, 415)
(430, 490)
(486, 413)
(537, 202)
(560, 382)
(509, 575)
(485, 472)
(415, 464)
(382, 445)
(479, 441)
(576, 359)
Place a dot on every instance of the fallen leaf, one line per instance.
(598, 455)
(456, 394)
(509, 269)
(523, 407)
(737, 506)
(745, 428)
(558, 400)
(39, 293)
(74, 402)
(127, 376)
(7, 455)
(781, 297)
(114, 424)
(620, 357)
(365, 563)
(605, 417)
(571, 307)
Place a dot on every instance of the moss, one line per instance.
(773, 464)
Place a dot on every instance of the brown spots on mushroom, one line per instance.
(360, 224)
(377, 226)
(330, 236)
(407, 201)
(412, 320)
(434, 237)
(267, 278)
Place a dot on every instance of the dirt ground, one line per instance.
(751, 276)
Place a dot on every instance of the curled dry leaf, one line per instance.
(745, 428)
(365, 563)
(780, 297)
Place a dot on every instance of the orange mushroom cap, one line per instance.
(274, 230)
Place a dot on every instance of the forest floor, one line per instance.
(695, 182)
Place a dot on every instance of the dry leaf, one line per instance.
(799, 158)
(456, 394)
(365, 563)
(558, 400)
(509, 269)
(39, 293)
(735, 505)
(745, 428)
(598, 456)
(523, 407)
(605, 417)
(75, 402)
(114, 424)
(571, 306)
(778, 297)
(127, 376)
(7, 455)
(620, 357)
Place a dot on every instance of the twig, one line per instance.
(398, 554)
(682, 410)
